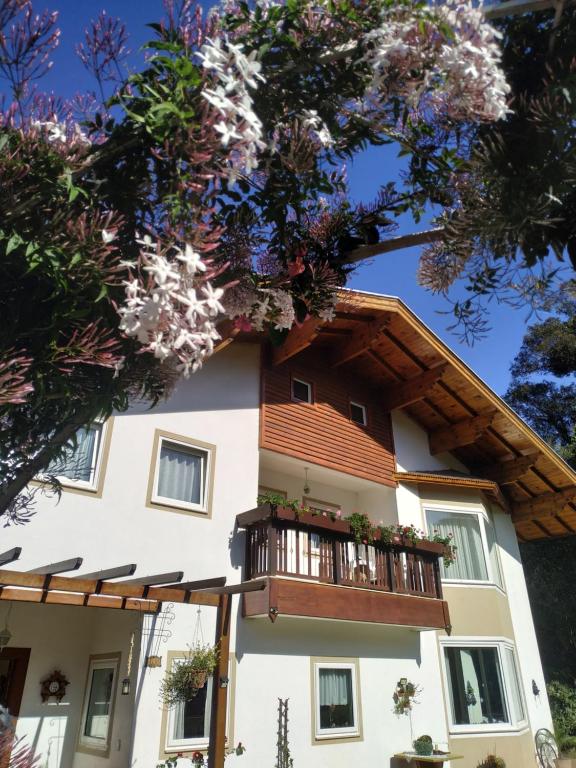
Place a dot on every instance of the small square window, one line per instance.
(358, 414)
(336, 700)
(181, 474)
(98, 709)
(301, 391)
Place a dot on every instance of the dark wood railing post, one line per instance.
(438, 578)
(272, 535)
(337, 569)
(248, 554)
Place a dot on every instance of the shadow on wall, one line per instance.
(302, 637)
(211, 388)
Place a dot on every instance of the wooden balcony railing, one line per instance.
(280, 542)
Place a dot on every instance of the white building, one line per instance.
(371, 415)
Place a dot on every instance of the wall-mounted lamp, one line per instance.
(5, 634)
(126, 686)
(224, 682)
(535, 689)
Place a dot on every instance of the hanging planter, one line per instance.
(189, 676)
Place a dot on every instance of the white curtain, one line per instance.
(465, 529)
(180, 475)
(492, 550)
(78, 463)
(335, 687)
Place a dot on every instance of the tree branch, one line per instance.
(395, 244)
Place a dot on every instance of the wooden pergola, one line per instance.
(106, 589)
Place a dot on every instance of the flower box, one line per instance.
(309, 519)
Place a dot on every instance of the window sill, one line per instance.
(489, 730)
(200, 746)
(174, 506)
(472, 584)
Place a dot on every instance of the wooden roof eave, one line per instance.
(396, 305)
(488, 487)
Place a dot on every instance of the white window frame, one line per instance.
(500, 644)
(205, 478)
(483, 519)
(102, 746)
(180, 745)
(323, 734)
(102, 428)
(364, 422)
(307, 384)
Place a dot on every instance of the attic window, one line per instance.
(301, 391)
(358, 414)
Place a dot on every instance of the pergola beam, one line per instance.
(10, 555)
(459, 434)
(508, 471)
(545, 505)
(68, 598)
(403, 393)
(158, 578)
(111, 573)
(363, 340)
(60, 567)
(198, 584)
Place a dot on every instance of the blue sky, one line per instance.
(393, 273)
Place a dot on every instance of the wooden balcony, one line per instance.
(315, 568)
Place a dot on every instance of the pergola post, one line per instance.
(217, 745)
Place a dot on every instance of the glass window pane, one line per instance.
(191, 719)
(335, 698)
(475, 685)
(180, 475)
(493, 553)
(98, 710)
(79, 463)
(301, 390)
(470, 564)
(515, 692)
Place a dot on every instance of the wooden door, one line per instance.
(13, 666)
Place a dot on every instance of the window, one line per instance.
(483, 686)
(182, 476)
(475, 542)
(358, 414)
(189, 721)
(98, 709)
(336, 699)
(80, 465)
(301, 391)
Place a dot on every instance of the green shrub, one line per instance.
(563, 705)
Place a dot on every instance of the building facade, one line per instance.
(370, 415)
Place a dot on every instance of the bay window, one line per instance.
(484, 688)
(473, 536)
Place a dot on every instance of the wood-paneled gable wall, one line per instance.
(322, 432)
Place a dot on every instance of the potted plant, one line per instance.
(188, 676)
(423, 745)
(567, 750)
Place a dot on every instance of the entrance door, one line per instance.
(13, 666)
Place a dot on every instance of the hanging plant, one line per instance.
(404, 696)
(189, 676)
